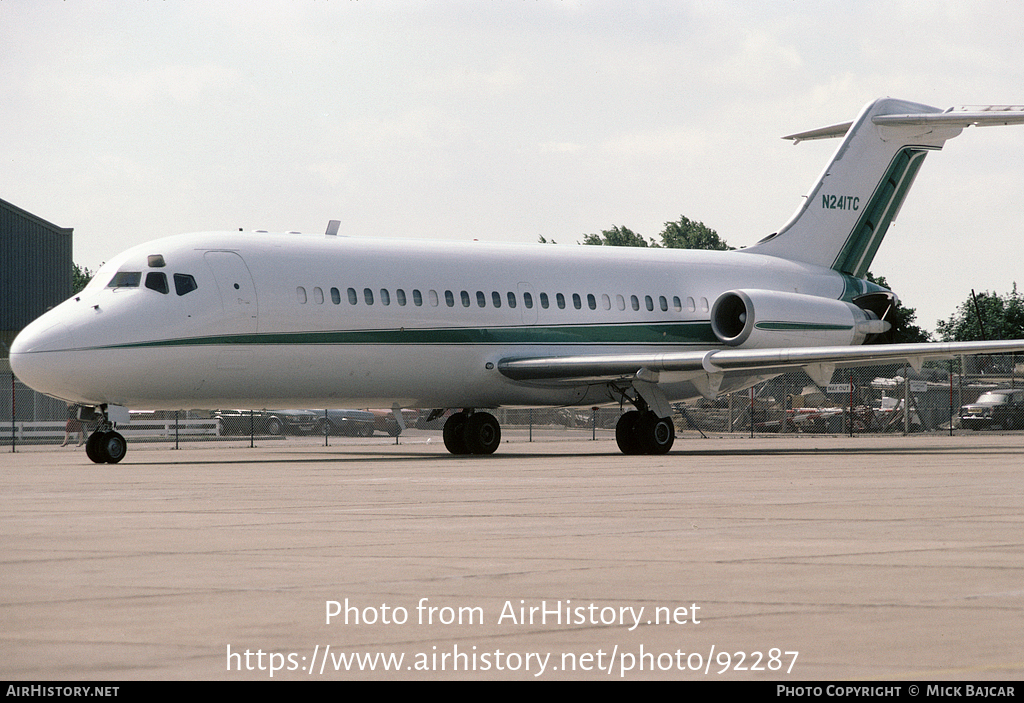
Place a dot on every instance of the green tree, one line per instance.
(904, 329)
(683, 234)
(617, 237)
(1002, 317)
(80, 277)
(687, 234)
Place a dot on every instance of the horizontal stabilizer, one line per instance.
(983, 116)
(977, 116)
(833, 132)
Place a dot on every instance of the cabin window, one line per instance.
(385, 297)
(634, 302)
(677, 303)
(417, 298)
(691, 304)
(496, 298)
(576, 302)
(185, 283)
(527, 300)
(591, 301)
(620, 302)
(606, 301)
(511, 299)
(335, 296)
(300, 292)
(368, 296)
(157, 281)
(449, 299)
(704, 304)
(465, 299)
(481, 299)
(126, 279)
(560, 301)
(544, 300)
(400, 296)
(432, 294)
(649, 302)
(663, 302)
(353, 297)
(318, 295)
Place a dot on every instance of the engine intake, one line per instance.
(764, 318)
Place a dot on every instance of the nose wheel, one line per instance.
(106, 447)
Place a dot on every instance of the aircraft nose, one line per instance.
(33, 355)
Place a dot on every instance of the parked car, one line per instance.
(354, 423)
(1002, 407)
(384, 420)
(272, 422)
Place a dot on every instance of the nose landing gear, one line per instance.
(105, 445)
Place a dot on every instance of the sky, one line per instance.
(503, 120)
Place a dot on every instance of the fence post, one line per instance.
(851, 404)
(950, 398)
(751, 412)
(14, 439)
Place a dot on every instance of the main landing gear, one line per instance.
(469, 432)
(105, 446)
(637, 432)
(643, 432)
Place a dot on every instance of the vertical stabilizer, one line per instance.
(849, 209)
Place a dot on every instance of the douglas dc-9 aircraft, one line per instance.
(231, 319)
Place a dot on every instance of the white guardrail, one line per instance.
(53, 430)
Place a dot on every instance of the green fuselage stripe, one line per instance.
(672, 333)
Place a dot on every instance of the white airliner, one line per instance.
(231, 319)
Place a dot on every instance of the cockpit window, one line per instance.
(157, 281)
(184, 283)
(126, 279)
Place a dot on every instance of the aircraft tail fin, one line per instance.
(847, 212)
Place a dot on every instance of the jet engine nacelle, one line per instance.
(766, 318)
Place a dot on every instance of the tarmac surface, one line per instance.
(786, 558)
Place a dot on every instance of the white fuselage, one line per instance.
(278, 320)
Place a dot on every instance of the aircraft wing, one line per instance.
(818, 362)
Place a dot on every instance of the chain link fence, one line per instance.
(959, 396)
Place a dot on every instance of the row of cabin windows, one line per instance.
(184, 283)
(496, 300)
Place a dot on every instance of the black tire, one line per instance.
(454, 433)
(94, 448)
(627, 434)
(482, 433)
(658, 433)
(275, 427)
(114, 447)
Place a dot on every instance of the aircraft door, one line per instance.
(528, 303)
(237, 290)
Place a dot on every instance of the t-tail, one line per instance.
(846, 214)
